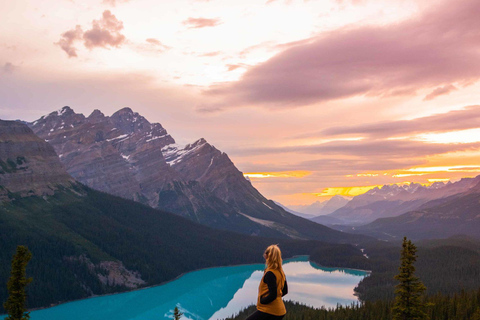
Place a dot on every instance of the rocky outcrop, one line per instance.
(28, 165)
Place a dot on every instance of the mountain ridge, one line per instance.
(127, 156)
(393, 200)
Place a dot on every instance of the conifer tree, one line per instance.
(15, 304)
(176, 314)
(409, 304)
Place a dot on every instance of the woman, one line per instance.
(272, 288)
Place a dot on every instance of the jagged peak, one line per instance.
(199, 142)
(61, 112)
(123, 111)
(96, 114)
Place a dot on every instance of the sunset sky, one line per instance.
(308, 98)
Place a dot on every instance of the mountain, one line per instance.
(300, 214)
(455, 215)
(28, 166)
(127, 156)
(85, 242)
(319, 208)
(394, 200)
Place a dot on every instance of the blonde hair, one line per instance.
(274, 257)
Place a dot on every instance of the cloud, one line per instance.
(103, 33)
(440, 91)
(8, 68)
(438, 48)
(368, 149)
(210, 54)
(68, 39)
(467, 118)
(154, 45)
(195, 23)
(338, 166)
(231, 67)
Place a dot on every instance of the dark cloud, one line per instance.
(8, 68)
(103, 33)
(438, 48)
(468, 118)
(440, 91)
(194, 23)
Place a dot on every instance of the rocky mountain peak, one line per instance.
(128, 121)
(199, 143)
(65, 111)
(28, 164)
(96, 116)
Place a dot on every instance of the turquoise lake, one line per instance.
(213, 293)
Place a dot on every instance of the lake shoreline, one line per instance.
(306, 257)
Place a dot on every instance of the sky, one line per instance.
(308, 98)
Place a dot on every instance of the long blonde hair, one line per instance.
(274, 257)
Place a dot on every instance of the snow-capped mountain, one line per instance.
(458, 214)
(128, 156)
(393, 200)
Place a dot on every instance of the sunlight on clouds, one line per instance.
(469, 168)
(280, 174)
(438, 180)
(401, 175)
(462, 136)
(345, 191)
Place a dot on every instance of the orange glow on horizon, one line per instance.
(279, 174)
(345, 191)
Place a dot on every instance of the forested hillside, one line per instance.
(77, 234)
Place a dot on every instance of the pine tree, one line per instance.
(176, 314)
(409, 304)
(15, 304)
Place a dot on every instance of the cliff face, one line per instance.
(127, 156)
(28, 165)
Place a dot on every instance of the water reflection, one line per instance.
(213, 293)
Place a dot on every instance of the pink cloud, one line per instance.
(104, 32)
(194, 23)
(440, 91)
(231, 67)
(467, 118)
(439, 47)
(158, 44)
(68, 39)
(210, 54)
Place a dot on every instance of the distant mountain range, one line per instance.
(458, 214)
(320, 208)
(85, 242)
(127, 156)
(393, 200)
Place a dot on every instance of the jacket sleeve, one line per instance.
(271, 282)
(285, 288)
